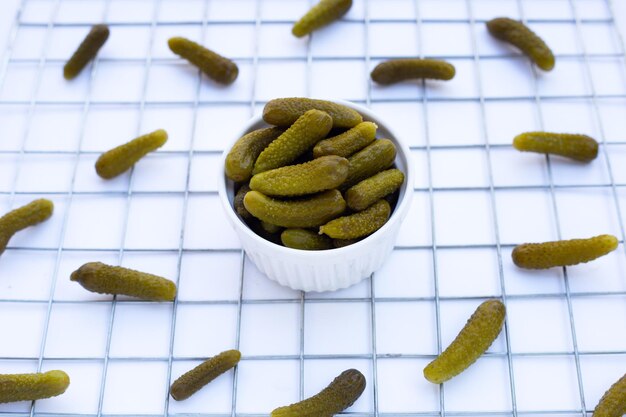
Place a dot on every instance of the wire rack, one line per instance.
(563, 342)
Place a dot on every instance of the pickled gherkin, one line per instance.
(378, 156)
(322, 14)
(309, 212)
(348, 142)
(397, 70)
(563, 252)
(578, 147)
(86, 51)
(240, 160)
(215, 66)
(311, 177)
(106, 279)
(238, 202)
(192, 381)
(31, 214)
(285, 111)
(122, 158)
(613, 402)
(305, 240)
(372, 189)
(359, 224)
(336, 397)
(31, 387)
(302, 135)
(519, 35)
(474, 339)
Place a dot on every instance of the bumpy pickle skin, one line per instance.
(285, 111)
(31, 214)
(359, 224)
(563, 252)
(578, 147)
(520, 36)
(305, 240)
(120, 159)
(348, 142)
(240, 160)
(86, 51)
(376, 157)
(192, 381)
(336, 397)
(309, 212)
(323, 13)
(300, 137)
(613, 402)
(372, 189)
(215, 66)
(238, 202)
(477, 335)
(397, 70)
(31, 387)
(311, 177)
(105, 279)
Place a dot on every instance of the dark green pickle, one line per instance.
(305, 240)
(340, 243)
(240, 160)
(31, 214)
(31, 387)
(215, 66)
(285, 111)
(376, 157)
(323, 13)
(86, 51)
(122, 158)
(613, 402)
(578, 147)
(397, 70)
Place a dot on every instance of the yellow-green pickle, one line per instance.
(578, 147)
(359, 224)
(563, 252)
(122, 158)
(31, 214)
(106, 279)
(305, 240)
(372, 189)
(285, 111)
(378, 156)
(336, 397)
(31, 387)
(192, 381)
(348, 142)
(240, 160)
(397, 70)
(86, 51)
(474, 339)
(613, 402)
(322, 14)
(215, 66)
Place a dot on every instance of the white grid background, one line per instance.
(474, 199)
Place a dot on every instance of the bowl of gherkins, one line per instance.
(317, 191)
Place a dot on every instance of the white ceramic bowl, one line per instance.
(331, 269)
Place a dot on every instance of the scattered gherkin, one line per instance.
(372, 189)
(579, 147)
(562, 252)
(310, 212)
(302, 135)
(474, 339)
(348, 142)
(192, 381)
(215, 66)
(240, 160)
(322, 14)
(238, 202)
(106, 279)
(31, 214)
(285, 111)
(519, 35)
(31, 387)
(378, 156)
(613, 402)
(305, 240)
(396, 70)
(336, 397)
(359, 224)
(120, 159)
(86, 51)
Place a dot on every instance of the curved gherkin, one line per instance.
(242, 156)
(31, 387)
(359, 224)
(348, 142)
(215, 66)
(613, 402)
(370, 190)
(396, 70)
(31, 214)
(376, 157)
(285, 111)
(86, 51)
(578, 147)
(322, 14)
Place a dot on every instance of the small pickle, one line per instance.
(305, 240)
(397, 70)
(348, 142)
(323, 13)
(563, 252)
(519, 35)
(120, 159)
(285, 111)
(31, 387)
(336, 397)
(310, 212)
(372, 189)
(240, 160)
(613, 402)
(359, 224)
(378, 156)
(474, 339)
(311, 177)
(106, 279)
(31, 214)
(86, 51)
(238, 203)
(192, 381)
(302, 135)
(215, 66)
(578, 147)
